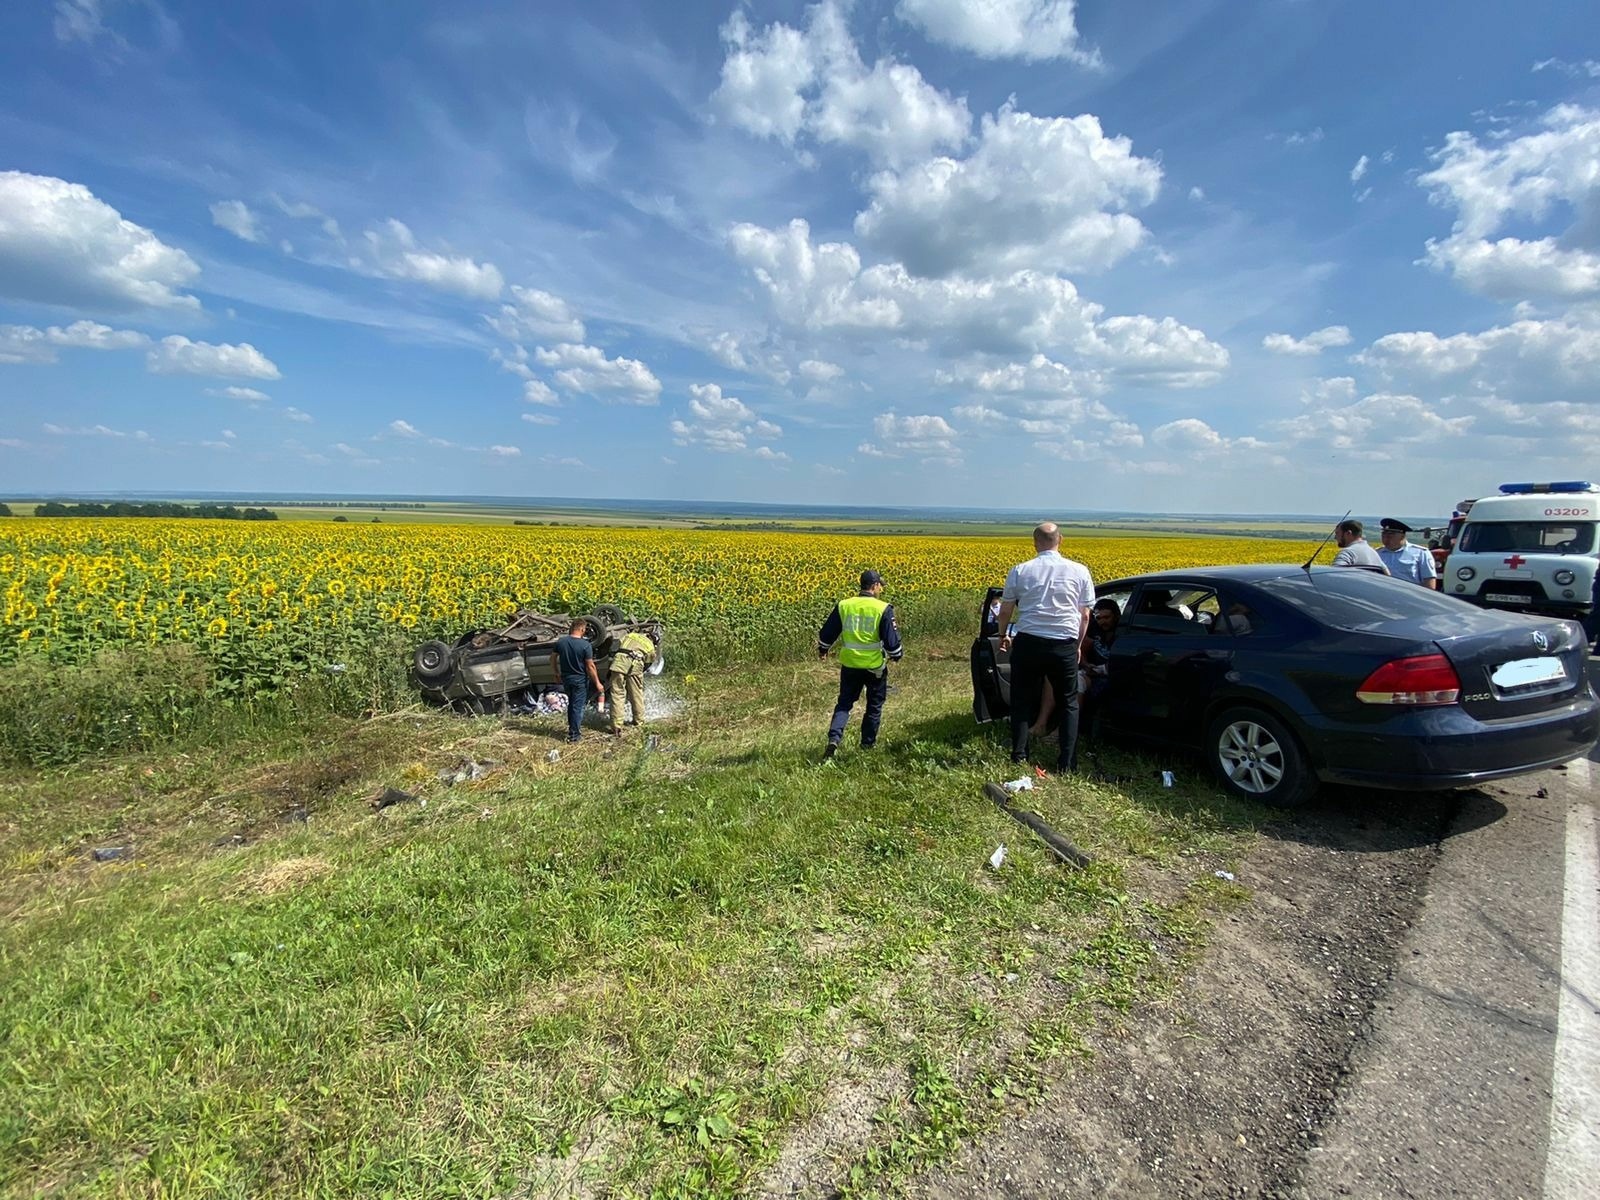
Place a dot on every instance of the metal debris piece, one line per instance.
(1059, 846)
(390, 797)
(107, 853)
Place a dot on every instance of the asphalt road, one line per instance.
(1481, 1076)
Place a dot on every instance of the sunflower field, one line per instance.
(261, 602)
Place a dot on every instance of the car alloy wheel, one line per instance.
(1257, 758)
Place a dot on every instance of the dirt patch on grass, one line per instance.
(1221, 1089)
(288, 875)
(808, 1166)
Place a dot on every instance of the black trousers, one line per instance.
(1035, 659)
(852, 681)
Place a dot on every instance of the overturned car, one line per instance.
(511, 669)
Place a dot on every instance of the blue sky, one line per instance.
(1194, 255)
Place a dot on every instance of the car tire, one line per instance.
(433, 662)
(598, 633)
(611, 614)
(1256, 758)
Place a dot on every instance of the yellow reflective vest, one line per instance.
(859, 645)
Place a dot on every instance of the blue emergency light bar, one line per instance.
(1525, 489)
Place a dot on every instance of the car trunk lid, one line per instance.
(1529, 672)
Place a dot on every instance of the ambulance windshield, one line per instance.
(1528, 537)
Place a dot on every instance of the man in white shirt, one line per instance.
(1050, 597)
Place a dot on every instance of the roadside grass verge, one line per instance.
(690, 962)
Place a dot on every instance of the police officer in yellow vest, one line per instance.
(863, 628)
(625, 676)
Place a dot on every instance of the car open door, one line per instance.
(991, 667)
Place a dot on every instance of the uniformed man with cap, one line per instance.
(863, 628)
(1405, 560)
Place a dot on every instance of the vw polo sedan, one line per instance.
(1284, 677)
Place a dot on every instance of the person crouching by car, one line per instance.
(863, 626)
(575, 659)
(626, 679)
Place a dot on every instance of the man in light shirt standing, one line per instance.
(1353, 548)
(1050, 597)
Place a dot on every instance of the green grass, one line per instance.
(645, 968)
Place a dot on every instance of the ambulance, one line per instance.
(1534, 547)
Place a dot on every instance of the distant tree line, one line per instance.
(121, 508)
(381, 506)
(5, 509)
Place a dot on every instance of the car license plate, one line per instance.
(1502, 598)
(1521, 672)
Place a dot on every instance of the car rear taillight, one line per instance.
(1426, 679)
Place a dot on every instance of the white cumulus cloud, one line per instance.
(1531, 360)
(248, 394)
(25, 344)
(825, 287)
(1312, 343)
(177, 355)
(926, 436)
(725, 424)
(1032, 30)
(1552, 170)
(782, 82)
(585, 370)
(536, 315)
(1041, 192)
(391, 250)
(60, 244)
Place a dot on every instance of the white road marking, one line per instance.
(1578, 769)
(1573, 1162)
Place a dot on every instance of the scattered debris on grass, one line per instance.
(468, 771)
(108, 853)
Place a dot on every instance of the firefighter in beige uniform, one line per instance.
(626, 678)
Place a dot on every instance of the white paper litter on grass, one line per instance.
(998, 857)
(1025, 784)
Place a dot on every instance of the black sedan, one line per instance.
(1283, 677)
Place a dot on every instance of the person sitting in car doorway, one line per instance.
(625, 679)
(1094, 667)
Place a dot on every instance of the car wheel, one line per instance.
(598, 632)
(472, 706)
(1257, 758)
(611, 614)
(433, 662)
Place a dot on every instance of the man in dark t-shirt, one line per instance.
(575, 659)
